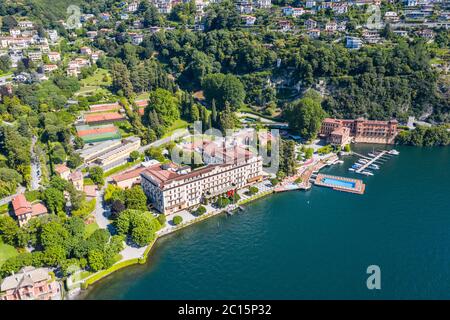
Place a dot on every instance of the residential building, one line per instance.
(35, 56)
(133, 6)
(137, 38)
(86, 51)
(371, 36)
(331, 26)
(129, 178)
(53, 35)
(310, 24)
(91, 34)
(391, 16)
(24, 210)
(249, 20)
(25, 24)
(90, 191)
(62, 171)
(360, 130)
(15, 33)
(285, 25)
(313, 33)
(310, 4)
(50, 67)
(426, 33)
(76, 178)
(264, 4)
(172, 188)
(54, 56)
(30, 283)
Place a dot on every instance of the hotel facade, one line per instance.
(342, 132)
(172, 188)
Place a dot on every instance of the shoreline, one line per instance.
(306, 168)
(83, 285)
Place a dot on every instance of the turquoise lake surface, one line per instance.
(312, 245)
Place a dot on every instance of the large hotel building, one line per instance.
(342, 132)
(172, 188)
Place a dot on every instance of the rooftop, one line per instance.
(21, 205)
(27, 277)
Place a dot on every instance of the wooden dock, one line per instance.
(371, 161)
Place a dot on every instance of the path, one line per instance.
(262, 119)
(157, 143)
(35, 167)
(8, 199)
(101, 212)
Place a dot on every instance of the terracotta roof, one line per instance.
(38, 209)
(20, 205)
(141, 103)
(25, 278)
(91, 191)
(61, 168)
(128, 175)
(76, 175)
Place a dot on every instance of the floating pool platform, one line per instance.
(340, 183)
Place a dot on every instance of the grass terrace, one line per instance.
(178, 124)
(6, 252)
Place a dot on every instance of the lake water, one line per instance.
(312, 245)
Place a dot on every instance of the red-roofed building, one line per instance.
(77, 180)
(129, 178)
(141, 104)
(171, 188)
(90, 191)
(24, 210)
(63, 171)
(360, 130)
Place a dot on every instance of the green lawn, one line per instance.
(6, 252)
(121, 168)
(178, 124)
(90, 229)
(95, 84)
(142, 96)
(4, 208)
(88, 182)
(97, 79)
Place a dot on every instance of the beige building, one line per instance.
(62, 171)
(120, 155)
(77, 180)
(24, 210)
(172, 188)
(30, 284)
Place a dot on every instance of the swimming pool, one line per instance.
(339, 183)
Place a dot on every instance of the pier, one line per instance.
(370, 161)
